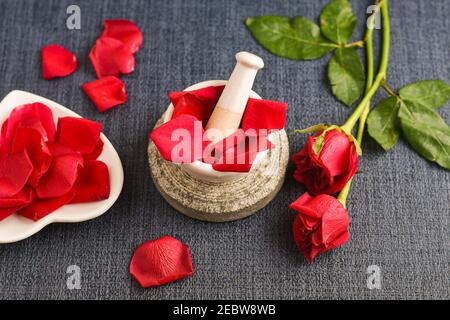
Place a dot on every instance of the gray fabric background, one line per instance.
(399, 206)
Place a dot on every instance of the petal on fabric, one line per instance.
(35, 116)
(110, 57)
(15, 169)
(264, 114)
(161, 261)
(181, 140)
(80, 135)
(42, 207)
(106, 92)
(93, 183)
(124, 31)
(57, 61)
(60, 177)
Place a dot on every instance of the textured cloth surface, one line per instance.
(399, 205)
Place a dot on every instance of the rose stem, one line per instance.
(351, 121)
(342, 197)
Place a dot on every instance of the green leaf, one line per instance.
(427, 132)
(383, 124)
(429, 93)
(346, 75)
(337, 21)
(297, 38)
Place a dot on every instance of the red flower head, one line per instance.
(327, 162)
(321, 224)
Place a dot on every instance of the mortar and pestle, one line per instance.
(196, 189)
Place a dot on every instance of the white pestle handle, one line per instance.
(227, 114)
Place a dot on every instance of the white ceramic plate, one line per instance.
(15, 227)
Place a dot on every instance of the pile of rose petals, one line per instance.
(43, 167)
(235, 153)
(161, 261)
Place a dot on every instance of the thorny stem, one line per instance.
(364, 105)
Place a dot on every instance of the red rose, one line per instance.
(327, 162)
(321, 224)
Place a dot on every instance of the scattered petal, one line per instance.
(110, 57)
(125, 31)
(106, 92)
(161, 261)
(93, 183)
(57, 61)
(15, 169)
(81, 135)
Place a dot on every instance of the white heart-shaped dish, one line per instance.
(15, 227)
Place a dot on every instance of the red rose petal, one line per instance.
(264, 114)
(125, 31)
(334, 154)
(242, 154)
(3, 145)
(199, 103)
(81, 135)
(6, 212)
(23, 198)
(60, 177)
(93, 183)
(31, 141)
(208, 95)
(15, 169)
(106, 92)
(96, 153)
(8, 206)
(180, 140)
(110, 57)
(161, 261)
(41, 208)
(34, 116)
(57, 61)
(190, 104)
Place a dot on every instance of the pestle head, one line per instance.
(250, 60)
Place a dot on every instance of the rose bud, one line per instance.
(321, 224)
(327, 162)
